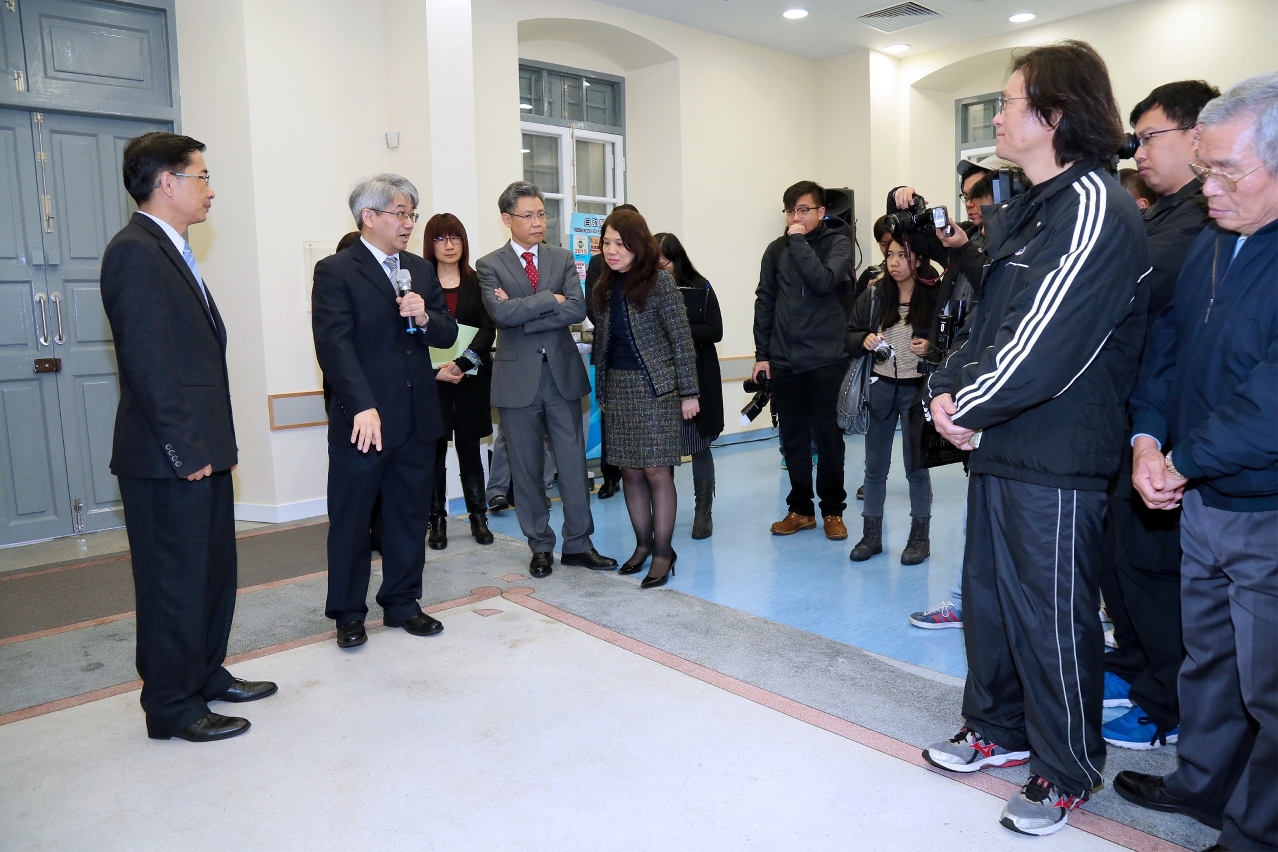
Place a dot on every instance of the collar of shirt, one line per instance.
(381, 257)
(519, 253)
(1242, 238)
(178, 241)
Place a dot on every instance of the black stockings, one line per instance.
(651, 501)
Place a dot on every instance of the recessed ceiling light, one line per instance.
(1022, 17)
(897, 48)
(795, 14)
(525, 106)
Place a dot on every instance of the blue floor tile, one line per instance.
(805, 580)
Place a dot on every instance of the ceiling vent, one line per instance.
(899, 17)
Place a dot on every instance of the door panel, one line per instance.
(85, 160)
(33, 480)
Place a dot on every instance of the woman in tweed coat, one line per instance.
(646, 380)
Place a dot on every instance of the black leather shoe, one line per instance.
(420, 624)
(246, 690)
(1149, 791)
(210, 728)
(608, 489)
(589, 559)
(651, 582)
(539, 565)
(498, 503)
(1216, 848)
(351, 635)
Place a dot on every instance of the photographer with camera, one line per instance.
(893, 322)
(1037, 392)
(1141, 582)
(799, 327)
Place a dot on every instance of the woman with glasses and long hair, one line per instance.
(646, 380)
(893, 320)
(464, 382)
(705, 320)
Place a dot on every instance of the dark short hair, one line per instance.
(1180, 101)
(1068, 88)
(802, 188)
(630, 207)
(983, 188)
(1136, 186)
(447, 225)
(881, 229)
(148, 156)
(347, 241)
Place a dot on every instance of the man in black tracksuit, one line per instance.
(1141, 583)
(798, 343)
(1038, 391)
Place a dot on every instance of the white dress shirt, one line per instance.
(519, 252)
(179, 242)
(381, 258)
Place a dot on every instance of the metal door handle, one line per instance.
(43, 339)
(56, 298)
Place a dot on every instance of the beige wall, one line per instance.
(294, 97)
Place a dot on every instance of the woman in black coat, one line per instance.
(463, 383)
(706, 323)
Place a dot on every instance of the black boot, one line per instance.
(473, 492)
(437, 537)
(871, 542)
(702, 523)
(918, 547)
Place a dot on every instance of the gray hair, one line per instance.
(378, 193)
(519, 189)
(1256, 98)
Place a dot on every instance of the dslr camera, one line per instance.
(919, 217)
(761, 387)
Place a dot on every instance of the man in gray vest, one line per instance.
(533, 293)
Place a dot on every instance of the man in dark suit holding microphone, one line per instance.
(174, 446)
(383, 415)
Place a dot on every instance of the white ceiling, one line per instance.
(832, 28)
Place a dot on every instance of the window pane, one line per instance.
(573, 102)
(554, 222)
(541, 161)
(978, 122)
(601, 102)
(593, 207)
(592, 178)
(530, 91)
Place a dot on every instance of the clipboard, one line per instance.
(465, 334)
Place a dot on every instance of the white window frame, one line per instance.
(615, 167)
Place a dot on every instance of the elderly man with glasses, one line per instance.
(1204, 416)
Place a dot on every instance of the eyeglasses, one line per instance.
(539, 216)
(1227, 182)
(450, 238)
(1143, 141)
(802, 211)
(401, 215)
(205, 177)
(1001, 103)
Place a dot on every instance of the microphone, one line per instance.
(403, 285)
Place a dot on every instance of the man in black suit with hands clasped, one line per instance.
(174, 446)
(383, 413)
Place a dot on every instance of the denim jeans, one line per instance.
(888, 405)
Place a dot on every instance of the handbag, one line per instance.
(853, 412)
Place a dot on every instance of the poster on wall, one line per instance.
(585, 244)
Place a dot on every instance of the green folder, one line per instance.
(465, 334)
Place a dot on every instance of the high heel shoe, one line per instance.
(651, 582)
(634, 567)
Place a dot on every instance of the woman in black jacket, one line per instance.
(646, 381)
(464, 382)
(894, 321)
(706, 323)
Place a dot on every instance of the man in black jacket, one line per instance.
(1037, 392)
(799, 326)
(1208, 398)
(383, 417)
(174, 446)
(1141, 580)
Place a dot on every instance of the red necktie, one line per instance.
(531, 269)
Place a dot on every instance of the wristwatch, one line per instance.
(1171, 468)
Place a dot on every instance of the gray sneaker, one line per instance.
(1039, 808)
(968, 751)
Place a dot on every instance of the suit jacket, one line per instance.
(661, 338)
(368, 357)
(174, 416)
(529, 324)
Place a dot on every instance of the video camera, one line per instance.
(761, 387)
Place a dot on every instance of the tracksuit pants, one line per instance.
(1034, 644)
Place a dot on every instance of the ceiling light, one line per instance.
(1022, 17)
(525, 150)
(794, 14)
(897, 48)
(525, 106)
